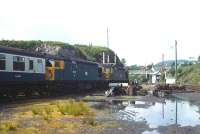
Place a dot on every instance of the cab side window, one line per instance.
(30, 64)
(100, 71)
(48, 63)
(2, 62)
(18, 63)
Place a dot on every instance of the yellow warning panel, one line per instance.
(107, 72)
(62, 64)
(59, 64)
(50, 73)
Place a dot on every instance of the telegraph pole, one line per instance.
(175, 61)
(107, 39)
(176, 117)
(163, 62)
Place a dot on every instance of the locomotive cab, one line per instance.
(53, 68)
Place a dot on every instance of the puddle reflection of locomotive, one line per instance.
(28, 73)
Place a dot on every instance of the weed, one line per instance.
(37, 110)
(8, 126)
(29, 130)
(72, 107)
(48, 110)
(44, 112)
(47, 117)
(53, 103)
(84, 107)
(61, 108)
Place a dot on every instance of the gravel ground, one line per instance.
(114, 126)
(125, 127)
(193, 97)
(174, 129)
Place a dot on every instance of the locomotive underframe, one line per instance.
(47, 88)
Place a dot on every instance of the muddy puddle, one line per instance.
(155, 114)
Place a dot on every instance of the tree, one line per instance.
(149, 66)
(199, 59)
(172, 71)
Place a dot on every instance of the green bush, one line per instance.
(189, 74)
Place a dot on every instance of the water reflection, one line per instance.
(158, 114)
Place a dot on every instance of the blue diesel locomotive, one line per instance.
(28, 73)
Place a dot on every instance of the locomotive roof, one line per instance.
(68, 59)
(18, 51)
(83, 61)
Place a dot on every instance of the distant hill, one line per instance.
(169, 63)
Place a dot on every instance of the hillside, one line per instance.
(189, 74)
(95, 53)
(91, 53)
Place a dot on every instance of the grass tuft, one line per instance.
(72, 107)
(48, 110)
(9, 126)
(37, 110)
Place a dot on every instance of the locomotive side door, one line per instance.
(74, 69)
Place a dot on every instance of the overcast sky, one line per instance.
(139, 30)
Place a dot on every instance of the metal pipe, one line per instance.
(175, 61)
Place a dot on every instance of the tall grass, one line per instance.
(72, 107)
(37, 110)
(9, 125)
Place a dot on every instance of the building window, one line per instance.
(18, 63)
(30, 64)
(2, 62)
